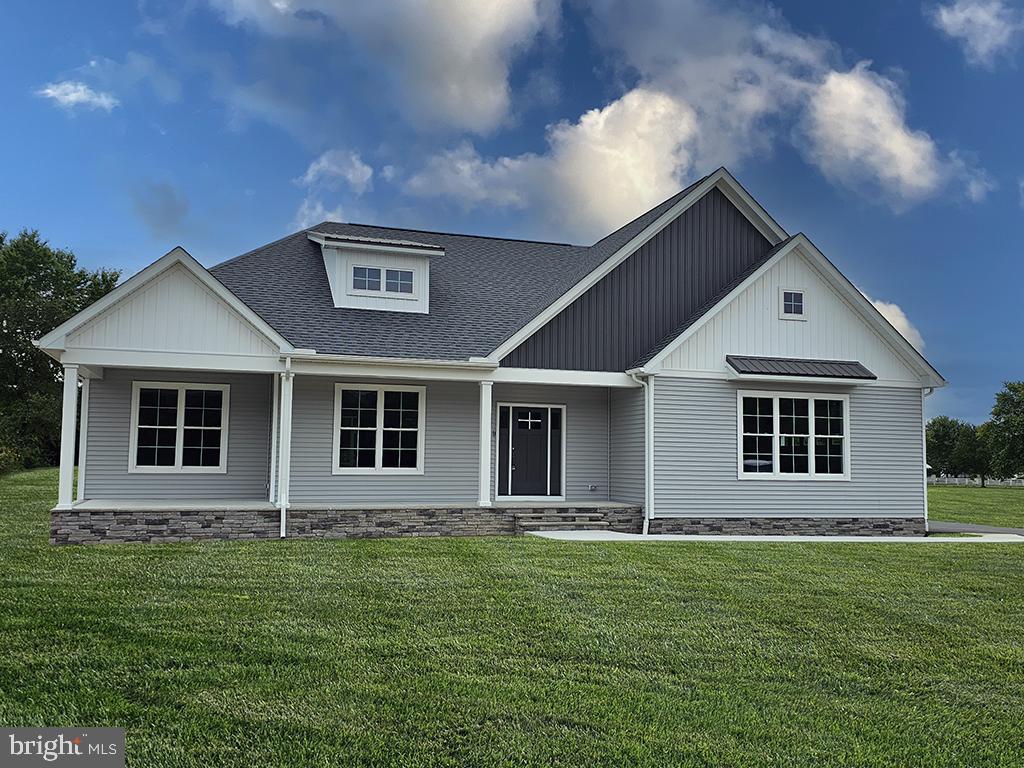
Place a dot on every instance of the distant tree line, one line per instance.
(40, 288)
(994, 449)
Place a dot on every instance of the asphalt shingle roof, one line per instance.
(482, 289)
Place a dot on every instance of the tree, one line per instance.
(971, 455)
(40, 288)
(940, 441)
(1007, 430)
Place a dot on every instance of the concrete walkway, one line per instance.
(941, 526)
(986, 538)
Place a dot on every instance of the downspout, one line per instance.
(925, 392)
(645, 383)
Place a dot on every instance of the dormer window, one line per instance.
(792, 306)
(399, 281)
(373, 273)
(365, 279)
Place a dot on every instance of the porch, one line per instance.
(297, 456)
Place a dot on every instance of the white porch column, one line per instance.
(65, 484)
(83, 436)
(485, 443)
(285, 448)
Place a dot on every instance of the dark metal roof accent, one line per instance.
(784, 366)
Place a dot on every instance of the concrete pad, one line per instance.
(988, 538)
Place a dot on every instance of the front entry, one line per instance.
(530, 450)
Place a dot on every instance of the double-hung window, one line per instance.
(378, 429)
(178, 427)
(792, 435)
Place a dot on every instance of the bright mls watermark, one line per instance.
(79, 747)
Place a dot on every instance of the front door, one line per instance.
(530, 450)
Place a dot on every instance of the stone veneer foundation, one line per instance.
(791, 526)
(97, 526)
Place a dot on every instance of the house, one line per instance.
(697, 370)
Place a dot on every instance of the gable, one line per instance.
(172, 312)
(750, 324)
(633, 307)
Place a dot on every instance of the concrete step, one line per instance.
(561, 525)
(567, 515)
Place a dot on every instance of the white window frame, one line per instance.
(377, 468)
(383, 290)
(783, 314)
(179, 440)
(364, 291)
(775, 474)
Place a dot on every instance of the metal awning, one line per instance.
(786, 366)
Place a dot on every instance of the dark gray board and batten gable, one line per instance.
(629, 311)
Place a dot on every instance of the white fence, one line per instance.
(1015, 482)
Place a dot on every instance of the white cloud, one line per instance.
(985, 29)
(750, 78)
(858, 136)
(1020, 192)
(899, 320)
(72, 93)
(312, 211)
(336, 165)
(599, 172)
(449, 60)
(135, 71)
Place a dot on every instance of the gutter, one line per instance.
(643, 378)
(472, 364)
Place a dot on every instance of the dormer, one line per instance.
(373, 273)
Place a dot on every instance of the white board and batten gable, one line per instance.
(838, 323)
(373, 273)
(171, 314)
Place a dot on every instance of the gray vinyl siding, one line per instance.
(106, 470)
(586, 435)
(629, 311)
(626, 431)
(450, 455)
(696, 455)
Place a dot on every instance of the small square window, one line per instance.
(366, 278)
(398, 281)
(792, 303)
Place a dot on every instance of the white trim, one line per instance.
(574, 378)
(69, 401)
(776, 474)
(56, 339)
(341, 244)
(130, 358)
(783, 314)
(721, 179)
(275, 394)
(924, 457)
(855, 299)
(83, 439)
(486, 429)
(178, 467)
(378, 468)
(498, 496)
(649, 455)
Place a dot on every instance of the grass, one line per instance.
(522, 651)
(986, 506)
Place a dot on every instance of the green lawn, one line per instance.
(987, 506)
(514, 651)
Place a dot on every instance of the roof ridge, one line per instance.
(454, 234)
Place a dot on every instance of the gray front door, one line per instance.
(530, 450)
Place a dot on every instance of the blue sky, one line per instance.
(889, 132)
